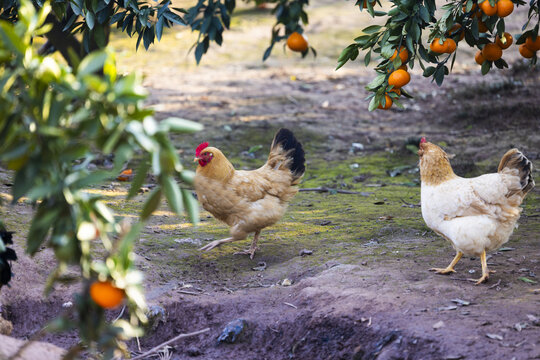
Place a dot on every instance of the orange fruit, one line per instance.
(297, 42)
(488, 9)
(533, 45)
(525, 51)
(504, 8)
(402, 67)
(437, 47)
(125, 175)
(397, 91)
(388, 103)
(399, 78)
(492, 52)
(451, 46)
(455, 30)
(509, 40)
(482, 27)
(448, 46)
(479, 58)
(364, 5)
(106, 295)
(403, 54)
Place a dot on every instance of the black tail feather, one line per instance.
(5, 257)
(288, 142)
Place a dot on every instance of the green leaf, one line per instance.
(14, 43)
(191, 206)
(375, 83)
(90, 19)
(527, 280)
(371, 29)
(486, 66)
(172, 193)
(187, 176)
(430, 70)
(367, 58)
(151, 203)
(180, 125)
(138, 180)
(92, 63)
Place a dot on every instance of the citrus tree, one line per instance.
(400, 42)
(54, 120)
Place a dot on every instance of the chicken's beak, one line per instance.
(196, 159)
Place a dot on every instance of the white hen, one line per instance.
(477, 214)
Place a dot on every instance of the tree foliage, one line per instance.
(405, 24)
(54, 120)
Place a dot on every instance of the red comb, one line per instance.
(423, 140)
(200, 148)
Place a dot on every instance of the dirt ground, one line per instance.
(364, 291)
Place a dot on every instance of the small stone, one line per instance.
(67, 304)
(194, 351)
(438, 325)
(305, 252)
(286, 282)
(232, 331)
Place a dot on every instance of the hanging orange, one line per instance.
(525, 51)
(504, 8)
(508, 41)
(492, 52)
(437, 47)
(479, 58)
(297, 42)
(387, 104)
(533, 44)
(488, 9)
(106, 295)
(399, 78)
(403, 54)
(451, 46)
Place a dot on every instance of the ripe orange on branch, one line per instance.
(504, 8)
(388, 103)
(403, 54)
(399, 78)
(525, 51)
(479, 58)
(448, 46)
(533, 44)
(297, 42)
(508, 41)
(492, 52)
(106, 295)
(488, 9)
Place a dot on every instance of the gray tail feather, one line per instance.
(514, 159)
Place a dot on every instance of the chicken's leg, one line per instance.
(252, 248)
(450, 268)
(485, 271)
(216, 243)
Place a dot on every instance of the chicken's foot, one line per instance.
(216, 243)
(485, 271)
(252, 248)
(450, 268)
